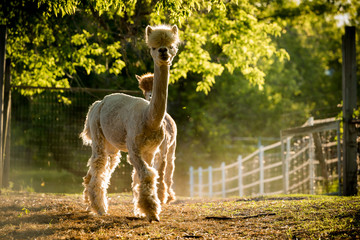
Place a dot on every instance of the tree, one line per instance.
(61, 43)
(230, 38)
(245, 68)
(315, 28)
(308, 84)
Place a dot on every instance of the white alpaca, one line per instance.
(165, 158)
(124, 123)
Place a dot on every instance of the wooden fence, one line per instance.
(306, 160)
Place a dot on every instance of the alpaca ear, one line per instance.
(138, 77)
(148, 30)
(174, 29)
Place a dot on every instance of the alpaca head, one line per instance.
(162, 41)
(146, 84)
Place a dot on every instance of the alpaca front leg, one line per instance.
(147, 202)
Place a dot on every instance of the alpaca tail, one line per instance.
(85, 135)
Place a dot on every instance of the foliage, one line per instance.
(230, 38)
(245, 68)
(55, 50)
(309, 84)
(61, 45)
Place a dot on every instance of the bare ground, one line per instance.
(50, 216)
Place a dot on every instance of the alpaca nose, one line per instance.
(163, 50)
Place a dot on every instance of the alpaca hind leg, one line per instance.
(86, 190)
(114, 160)
(99, 175)
(135, 187)
(169, 174)
(160, 165)
(147, 203)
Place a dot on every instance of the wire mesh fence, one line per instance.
(314, 159)
(45, 141)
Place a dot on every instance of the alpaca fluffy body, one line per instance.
(165, 158)
(121, 122)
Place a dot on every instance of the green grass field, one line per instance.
(47, 180)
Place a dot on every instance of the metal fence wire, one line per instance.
(45, 130)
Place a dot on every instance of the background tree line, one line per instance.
(244, 69)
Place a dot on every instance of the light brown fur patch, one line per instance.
(146, 82)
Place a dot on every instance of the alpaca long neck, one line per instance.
(157, 107)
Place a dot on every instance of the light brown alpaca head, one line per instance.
(162, 41)
(146, 84)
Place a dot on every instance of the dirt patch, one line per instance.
(49, 216)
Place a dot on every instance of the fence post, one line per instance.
(240, 183)
(7, 125)
(286, 166)
(349, 91)
(261, 166)
(191, 173)
(210, 182)
(339, 158)
(200, 181)
(223, 179)
(282, 150)
(311, 158)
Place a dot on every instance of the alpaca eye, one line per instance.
(171, 47)
(153, 49)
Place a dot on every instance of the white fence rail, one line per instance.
(296, 164)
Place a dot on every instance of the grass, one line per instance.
(52, 180)
(58, 216)
(45, 180)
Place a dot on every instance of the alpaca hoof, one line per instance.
(139, 215)
(101, 213)
(171, 199)
(153, 218)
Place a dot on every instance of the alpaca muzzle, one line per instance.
(164, 57)
(164, 54)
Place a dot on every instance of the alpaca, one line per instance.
(165, 158)
(130, 124)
